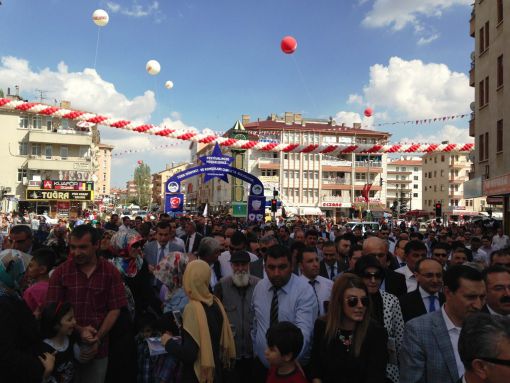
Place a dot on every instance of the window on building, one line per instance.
(36, 149)
(415, 178)
(37, 122)
(49, 124)
(435, 160)
(415, 186)
(499, 136)
(104, 189)
(22, 173)
(64, 152)
(442, 173)
(435, 187)
(481, 147)
(415, 195)
(487, 39)
(104, 177)
(397, 168)
(296, 174)
(23, 122)
(64, 124)
(286, 156)
(403, 168)
(48, 152)
(500, 10)
(500, 71)
(84, 150)
(23, 148)
(486, 146)
(487, 89)
(435, 173)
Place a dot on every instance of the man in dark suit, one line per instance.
(331, 265)
(429, 352)
(497, 280)
(208, 251)
(191, 238)
(427, 297)
(393, 283)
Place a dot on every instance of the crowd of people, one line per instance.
(196, 299)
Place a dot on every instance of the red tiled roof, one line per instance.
(312, 126)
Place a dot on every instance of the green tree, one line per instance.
(143, 182)
(1, 93)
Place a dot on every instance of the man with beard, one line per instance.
(497, 281)
(235, 292)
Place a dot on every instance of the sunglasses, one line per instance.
(353, 301)
(376, 275)
(502, 362)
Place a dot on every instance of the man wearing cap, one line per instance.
(235, 292)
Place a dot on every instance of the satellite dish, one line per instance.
(472, 106)
(472, 56)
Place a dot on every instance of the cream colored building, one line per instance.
(490, 28)
(404, 183)
(37, 148)
(444, 175)
(103, 173)
(159, 180)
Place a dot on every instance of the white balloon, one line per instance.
(100, 17)
(169, 84)
(153, 67)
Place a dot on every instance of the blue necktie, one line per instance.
(432, 303)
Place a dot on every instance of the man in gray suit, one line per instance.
(429, 352)
(154, 251)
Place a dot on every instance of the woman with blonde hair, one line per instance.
(207, 340)
(347, 345)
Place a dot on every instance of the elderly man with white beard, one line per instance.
(235, 292)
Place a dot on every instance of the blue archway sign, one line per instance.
(219, 166)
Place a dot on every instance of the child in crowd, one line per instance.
(38, 271)
(57, 326)
(284, 343)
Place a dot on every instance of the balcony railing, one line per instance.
(336, 180)
(336, 163)
(265, 160)
(334, 198)
(366, 164)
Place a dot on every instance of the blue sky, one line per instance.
(408, 59)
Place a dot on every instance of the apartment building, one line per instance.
(37, 151)
(103, 173)
(316, 184)
(404, 186)
(489, 71)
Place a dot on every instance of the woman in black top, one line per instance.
(207, 342)
(347, 346)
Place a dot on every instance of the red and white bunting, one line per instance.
(46, 110)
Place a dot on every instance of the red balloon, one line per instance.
(368, 112)
(139, 162)
(289, 45)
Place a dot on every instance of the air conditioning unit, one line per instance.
(25, 181)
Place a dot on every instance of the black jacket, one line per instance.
(198, 238)
(412, 304)
(340, 268)
(395, 283)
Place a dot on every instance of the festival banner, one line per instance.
(174, 203)
(256, 208)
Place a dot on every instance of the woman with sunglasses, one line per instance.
(385, 310)
(348, 346)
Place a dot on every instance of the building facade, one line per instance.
(103, 174)
(404, 186)
(159, 180)
(489, 70)
(315, 184)
(38, 148)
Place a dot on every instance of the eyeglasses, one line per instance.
(376, 275)
(502, 362)
(353, 301)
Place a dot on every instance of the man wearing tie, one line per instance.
(331, 265)
(155, 251)
(427, 297)
(191, 238)
(413, 252)
(308, 262)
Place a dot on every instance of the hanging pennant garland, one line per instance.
(124, 152)
(46, 110)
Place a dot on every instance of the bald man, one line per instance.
(393, 282)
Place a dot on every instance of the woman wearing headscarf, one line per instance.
(207, 341)
(19, 334)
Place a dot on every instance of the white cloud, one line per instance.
(348, 118)
(397, 14)
(414, 89)
(136, 10)
(86, 90)
(449, 133)
(355, 99)
(428, 40)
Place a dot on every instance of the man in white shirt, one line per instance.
(497, 281)
(413, 252)
(126, 224)
(429, 352)
(484, 348)
(308, 262)
(500, 240)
